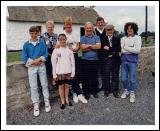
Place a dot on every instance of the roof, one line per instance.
(79, 14)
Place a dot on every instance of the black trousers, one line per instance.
(90, 71)
(75, 82)
(110, 75)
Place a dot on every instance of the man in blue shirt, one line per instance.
(90, 43)
(34, 55)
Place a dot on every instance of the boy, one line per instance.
(34, 55)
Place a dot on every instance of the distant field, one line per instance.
(14, 56)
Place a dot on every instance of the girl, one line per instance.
(64, 69)
(131, 46)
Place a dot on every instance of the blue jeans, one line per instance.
(33, 71)
(129, 75)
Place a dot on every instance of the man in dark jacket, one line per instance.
(110, 61)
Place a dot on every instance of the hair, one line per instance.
(51, 22)
(62, 35)
(68, 20)
(33, 29)
(88, 23)
(99, 19)
(133, 25)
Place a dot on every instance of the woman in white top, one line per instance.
(64, 69)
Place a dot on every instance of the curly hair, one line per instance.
(133, 25)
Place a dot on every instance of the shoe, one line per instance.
(132, 97)
(82, 99)
(106, 93)
(36, 109)
(116, 94)
(47, 106)
(69, 103)
(87, 96)
(62, 106)
(75, 98)
(125, 94)
(95, 95)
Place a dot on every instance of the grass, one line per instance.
(14, 56)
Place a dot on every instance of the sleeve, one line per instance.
(137, 46)
(24, 54)
(122, 45)
(45, 54)
(82, 40)
(117, 47)
(72, 64)
(98, 40)
(54, 63)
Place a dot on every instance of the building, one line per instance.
(20, 18)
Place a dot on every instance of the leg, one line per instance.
(44, 82)
(133, 76)
(67, 94)
(62, 93)
(32, 73)
(124, 75)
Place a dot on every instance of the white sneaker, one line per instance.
(47, 106)
(82, 99)
(75, 98)
(132, 97)
(36, 109)
(125, 94)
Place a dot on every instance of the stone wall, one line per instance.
(18, 90)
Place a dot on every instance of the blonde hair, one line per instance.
(50, 22)
(68, 20)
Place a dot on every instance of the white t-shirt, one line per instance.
(72, 39)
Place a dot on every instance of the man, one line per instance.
(109, 54)
(101, 32)
(90, 43)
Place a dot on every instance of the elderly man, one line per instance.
(111, 62)
(90, 43)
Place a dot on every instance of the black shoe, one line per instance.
(87, 96)
(62, 106)
(69, 104)
(95, 95)
(116, 94)
(106, 93)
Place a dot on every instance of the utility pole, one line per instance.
(146, 23)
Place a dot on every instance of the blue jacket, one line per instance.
(34, 52)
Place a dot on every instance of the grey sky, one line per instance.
(118, 15)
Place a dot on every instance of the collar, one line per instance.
(33, 43)
(100, 31)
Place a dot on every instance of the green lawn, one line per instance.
(13, 56)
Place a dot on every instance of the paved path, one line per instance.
(101, 111)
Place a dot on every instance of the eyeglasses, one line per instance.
(109, 29)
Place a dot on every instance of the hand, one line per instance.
(106, 47)
(36, 62)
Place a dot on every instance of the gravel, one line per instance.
(98, 111)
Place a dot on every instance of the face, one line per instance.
(100, 24)
(68, 28)
(34, 35)
(89, 30)
(50, 28)
(110, 32)
(62, 41)
(130, 31)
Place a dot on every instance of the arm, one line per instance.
(137, 46)
(72, 64)
(122, 46)
(96, 46)
(86, 47)
(54, 62)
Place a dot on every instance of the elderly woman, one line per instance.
(90, 43)
(51, 39)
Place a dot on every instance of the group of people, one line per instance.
(57, 56)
